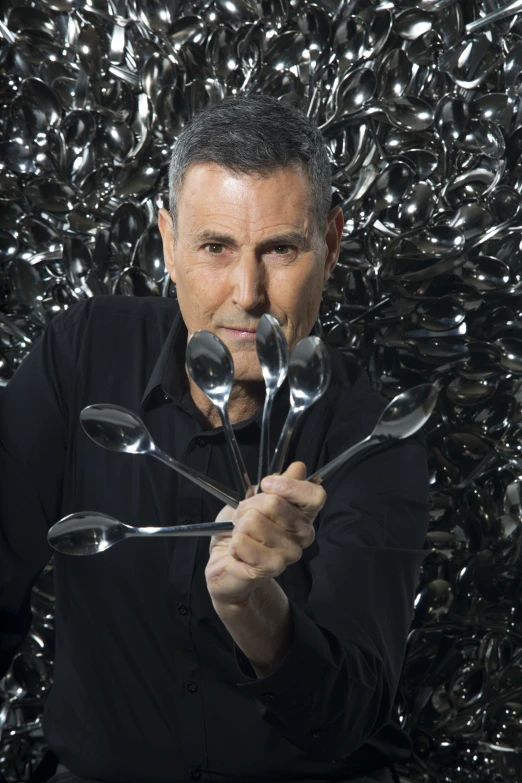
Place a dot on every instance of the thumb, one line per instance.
(296, 470)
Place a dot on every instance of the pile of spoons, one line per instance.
(421, 107)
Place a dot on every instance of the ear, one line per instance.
(167, 234)
(334, 231)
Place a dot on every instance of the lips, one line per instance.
(239, 329)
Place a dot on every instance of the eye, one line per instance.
(214, 248)
(281, 250)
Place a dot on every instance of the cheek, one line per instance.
(297, 290)
(200, 293)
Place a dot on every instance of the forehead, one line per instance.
(213, 193)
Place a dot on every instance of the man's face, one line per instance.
(245, 245)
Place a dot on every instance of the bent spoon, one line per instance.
(118, 429)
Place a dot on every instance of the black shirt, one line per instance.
(149, 686)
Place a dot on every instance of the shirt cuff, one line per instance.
(308, 662)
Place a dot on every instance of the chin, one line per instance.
(247, 374)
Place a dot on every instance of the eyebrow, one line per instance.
(302, 241)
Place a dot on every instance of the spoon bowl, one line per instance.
(401, 418)
(272, 350)
(309, 375)
(211, 366)
(118, 429)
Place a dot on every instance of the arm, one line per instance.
(262, 627)
(33, 444)
(336, 685)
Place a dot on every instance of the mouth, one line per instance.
(241, 333)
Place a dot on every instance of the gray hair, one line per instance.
(253, 134)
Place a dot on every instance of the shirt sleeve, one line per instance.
(336, 686)
(33, 447)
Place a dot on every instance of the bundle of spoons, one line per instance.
(89, 532)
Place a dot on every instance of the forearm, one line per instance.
(261, 627)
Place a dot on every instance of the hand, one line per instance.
(270, 532)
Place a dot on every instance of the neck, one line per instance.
(245, 399)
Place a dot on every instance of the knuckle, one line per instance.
(320, 497)
(280, 562)
(309, 537)
(297, 553)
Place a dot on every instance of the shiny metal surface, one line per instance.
(453, 233)
(401, 418)
(118, 429)
(272, 350)
(211, 366)
(308, 377)
(89, 532)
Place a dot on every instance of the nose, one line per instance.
(248, 283)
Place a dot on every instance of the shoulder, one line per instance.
(355, 399)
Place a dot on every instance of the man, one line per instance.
(272, 653)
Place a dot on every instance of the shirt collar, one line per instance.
(168, 374)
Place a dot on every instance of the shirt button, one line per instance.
(316, 734)
(201, 442)
(182, 609)
(269, 696)
(192, 687)
(166, 396)
(195, 774)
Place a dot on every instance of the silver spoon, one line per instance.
(401, 418)
(211, 366)
(272, 350)
(309, 376)
(118, 429)
(89, 532)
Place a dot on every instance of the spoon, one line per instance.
(211, 366)
(401, 418)
(118, 429)
(272, 350)
(89, 532)
(309, 376)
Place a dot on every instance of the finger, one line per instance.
(309, 497)
(296, 470)
(225, 514)
(273, 535)
(273, 552)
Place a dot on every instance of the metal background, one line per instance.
(420, 103)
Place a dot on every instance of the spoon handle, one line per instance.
(337, 462)
(237, 460)
(264, 457)
(284, 442)
(216, 489)
(197, 529)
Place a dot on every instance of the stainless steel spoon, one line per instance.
(309, 376)
(272, 350)
(89, 532)
(211, 366)
(401, 418)
(118, 429)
